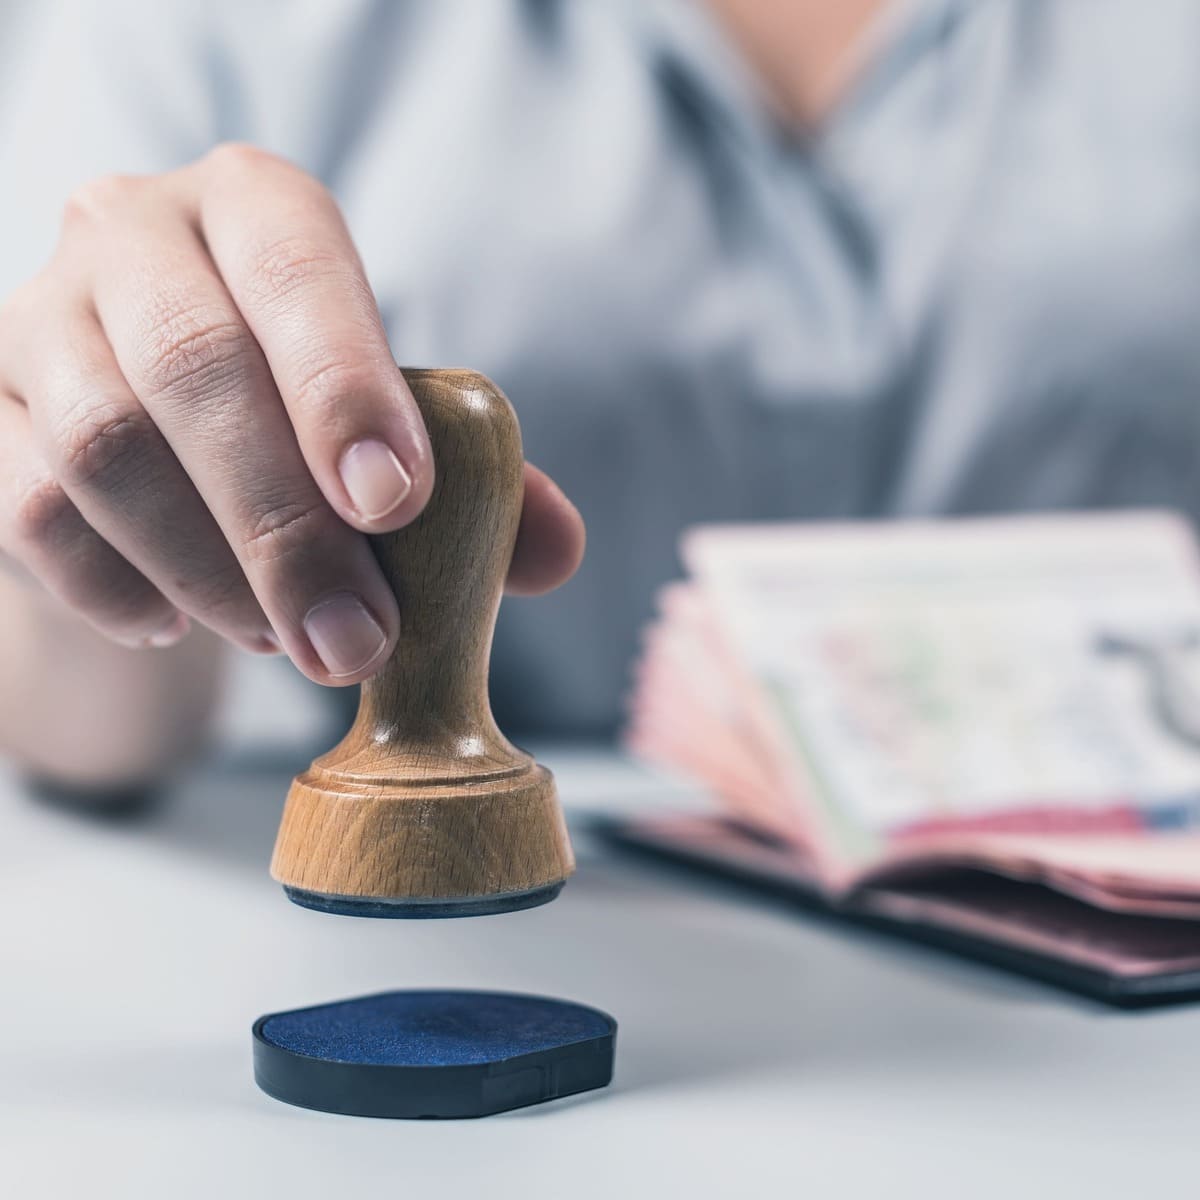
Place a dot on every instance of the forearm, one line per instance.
(79, 710)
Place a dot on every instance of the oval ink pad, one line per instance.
(432, 1053)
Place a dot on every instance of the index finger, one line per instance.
(283, 249)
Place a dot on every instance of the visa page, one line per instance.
(1018, 675)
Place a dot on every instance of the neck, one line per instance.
(803, 50)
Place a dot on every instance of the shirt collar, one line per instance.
(685, 39)
(693, 55)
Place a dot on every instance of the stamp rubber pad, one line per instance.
(433, 1053)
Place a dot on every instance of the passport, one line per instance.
(983, 728)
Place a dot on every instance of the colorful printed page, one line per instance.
(922, 682)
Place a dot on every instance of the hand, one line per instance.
(200, 418)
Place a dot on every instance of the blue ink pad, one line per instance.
(433, 1054)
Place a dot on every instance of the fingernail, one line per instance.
(374, 478)
(171, 633)
(344, 634)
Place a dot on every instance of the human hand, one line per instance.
(200, 418)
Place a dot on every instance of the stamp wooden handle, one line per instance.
(447, 569)
(425, 808)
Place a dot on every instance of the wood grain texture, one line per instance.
(425, 798)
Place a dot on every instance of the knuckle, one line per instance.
(195, 353)
(321, 388)
(100, 199)
(239, 156)
(42, 512)
(102, 443)
(278, 268)
(278, 532)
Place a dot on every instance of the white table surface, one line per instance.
(759, 1054)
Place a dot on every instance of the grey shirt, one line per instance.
(978, 288)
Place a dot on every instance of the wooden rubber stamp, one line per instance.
(425, 809)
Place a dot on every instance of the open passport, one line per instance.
(983, 732)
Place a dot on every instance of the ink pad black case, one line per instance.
(433, 1054)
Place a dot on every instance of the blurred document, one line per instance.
(1018, 696)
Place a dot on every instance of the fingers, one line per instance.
(294, 273)
(203, 372)
(550, 538)
(117, 469)
(181, 343)
(45, 534)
